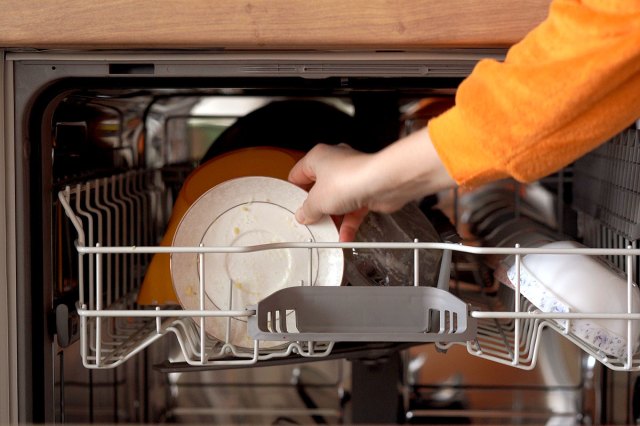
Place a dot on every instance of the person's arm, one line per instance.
(572, 83)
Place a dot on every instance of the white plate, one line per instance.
(244, 212)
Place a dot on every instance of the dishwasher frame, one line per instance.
(27, 74)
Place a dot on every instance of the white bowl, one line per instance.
(581, 284)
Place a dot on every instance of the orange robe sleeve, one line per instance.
(569, 85)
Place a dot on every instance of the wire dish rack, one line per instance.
(309, 321)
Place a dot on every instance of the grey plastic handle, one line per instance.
(356, 314)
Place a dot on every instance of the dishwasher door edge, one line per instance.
(8, 300)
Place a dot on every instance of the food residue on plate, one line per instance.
(241, 287)
(190, 290)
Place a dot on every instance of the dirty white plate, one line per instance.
(249, 211)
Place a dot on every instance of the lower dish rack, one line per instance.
(309, 321)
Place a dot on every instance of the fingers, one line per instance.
(302, 173)
(310, 211)
(350, 224)
(321, 171)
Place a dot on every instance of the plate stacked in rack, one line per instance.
(242, 212)
(157, 288)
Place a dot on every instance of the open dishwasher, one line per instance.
(98, 148)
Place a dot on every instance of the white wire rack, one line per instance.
(113, 328)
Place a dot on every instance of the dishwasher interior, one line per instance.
(108, 143)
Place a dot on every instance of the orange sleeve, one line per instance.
(568, 86)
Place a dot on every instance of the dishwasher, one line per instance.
(97, 148)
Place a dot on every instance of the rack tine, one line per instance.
(108, 208)
(516, 338)
(80, 210)
(95, 215)
(120, 235)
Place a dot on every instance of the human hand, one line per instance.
(343, 181)
(335, 176)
